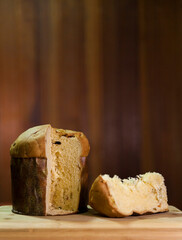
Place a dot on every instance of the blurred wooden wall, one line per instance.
(112, 69)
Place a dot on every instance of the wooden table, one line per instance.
(90, 225)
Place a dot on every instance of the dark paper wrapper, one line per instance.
(29, 178)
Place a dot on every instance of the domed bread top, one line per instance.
(32, 142)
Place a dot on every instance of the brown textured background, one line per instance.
(112, 69)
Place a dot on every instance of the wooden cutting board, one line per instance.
(90, 225)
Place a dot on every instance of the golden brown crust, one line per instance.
(30, 143)
(101, 200)
(85, 144)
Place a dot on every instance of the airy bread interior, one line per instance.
(146, 193)
(64, 171)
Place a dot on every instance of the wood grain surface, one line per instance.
(111, 69)
(90, 225)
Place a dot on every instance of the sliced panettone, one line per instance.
(114, 197)
(48, 170)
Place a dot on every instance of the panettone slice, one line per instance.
(114, 197)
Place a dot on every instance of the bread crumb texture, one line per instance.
(65, 172)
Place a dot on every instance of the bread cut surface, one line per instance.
(49, 165)
(114, 197)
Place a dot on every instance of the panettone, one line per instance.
(48, 170)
